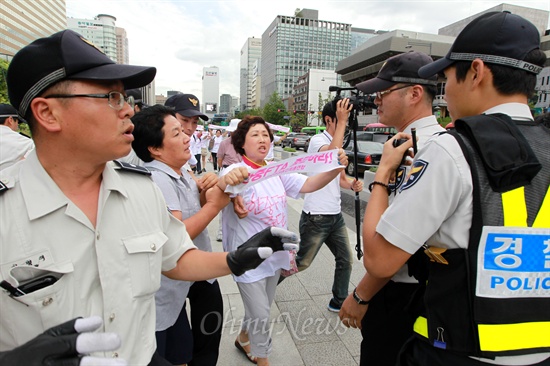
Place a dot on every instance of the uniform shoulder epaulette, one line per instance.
(131, 168)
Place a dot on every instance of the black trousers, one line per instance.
(417, 352)
(386, 326)
(198, 167)
(157, 360)
(175, 344)
(206, 322)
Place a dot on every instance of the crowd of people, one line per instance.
(104, 213)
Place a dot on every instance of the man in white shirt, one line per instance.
(13, 145)
(321, 220)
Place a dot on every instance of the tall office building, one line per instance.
(24, 21)
(292, 45)
(101, 31)
(122, 51)
(210, 90)
(256, 88)
(250, 53)
(225, 103)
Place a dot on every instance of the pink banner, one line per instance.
(319, 162)
(278, 127)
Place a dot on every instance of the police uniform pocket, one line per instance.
(45, 302)
(145, 262)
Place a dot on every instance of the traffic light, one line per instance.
(295, 111)
(279, 110)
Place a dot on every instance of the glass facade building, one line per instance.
(101, 31)
(23, 21)
(250, 53)
(293, 45)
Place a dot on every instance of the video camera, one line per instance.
(359, 101)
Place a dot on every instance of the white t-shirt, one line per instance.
(217, 141)
(327, 200)
(267, 206)
(195, 144)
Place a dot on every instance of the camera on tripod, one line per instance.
(358, 100)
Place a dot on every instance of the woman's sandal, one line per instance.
(240, 346)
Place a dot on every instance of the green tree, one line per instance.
(297, 121)
(250, 112)
(272, 108)
(3, 85)
(322, 102)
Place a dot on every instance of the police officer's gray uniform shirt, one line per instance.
(181, 194)
(112, 270)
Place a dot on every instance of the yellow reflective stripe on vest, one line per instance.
(421, 326)
(515, 209)
(507, 337)
(503, 337)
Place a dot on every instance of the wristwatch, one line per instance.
(359, 300)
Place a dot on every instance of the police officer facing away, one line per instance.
(83, 235)
(477, 209)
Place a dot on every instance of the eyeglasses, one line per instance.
(379, 95)
(116, 99)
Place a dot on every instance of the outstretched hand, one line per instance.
(67, 345)
(259, 247)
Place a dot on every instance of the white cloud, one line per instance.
(180, 37)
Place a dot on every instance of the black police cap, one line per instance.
(65, 55)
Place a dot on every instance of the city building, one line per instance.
(361, 35)
(122, 51)
(234, 105)
(210, 90)
(311, 93)
(367, 60)
(160, 99)
(292, 45)
(169, 93)
(101, 31)
(256, 89)
(536, 16)
(250, 53)
(225, 103)
(24, 21)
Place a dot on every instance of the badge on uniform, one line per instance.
(417, 170)
(399, 179)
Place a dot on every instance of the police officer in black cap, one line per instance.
(138, 99)
(83, 235)
(478, 209)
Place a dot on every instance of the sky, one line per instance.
(180, 37)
